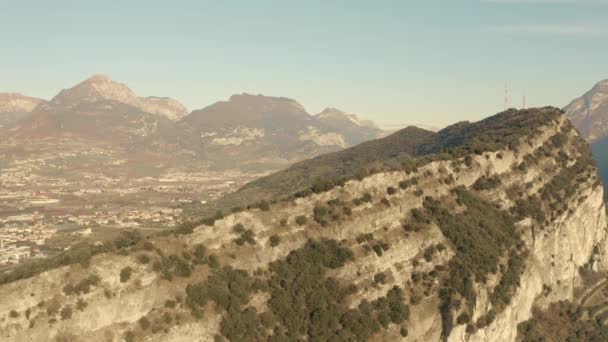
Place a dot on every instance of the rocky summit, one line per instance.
(100, 87)
(466, 234)
(589, 113)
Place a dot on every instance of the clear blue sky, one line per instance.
(424, 61)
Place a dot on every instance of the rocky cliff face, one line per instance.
(455, 248)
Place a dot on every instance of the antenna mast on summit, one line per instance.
(524, 103)
(506, 99)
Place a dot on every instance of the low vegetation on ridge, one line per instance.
(406, 150)
(284, 271)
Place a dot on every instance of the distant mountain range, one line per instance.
(246, 131)
(589, 114)
(15, 107)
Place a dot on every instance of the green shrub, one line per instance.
(322, 312)
(238, 228)
(274, 240)
(368, 237)
(66, 313)
(380, 278)
(377, 249)
(228, 288)
(199, 253)
(404, 184)
(530, 207)
(13, 314)
(167, 318)
(129, 336)
(301, 220)
(144, 323)
(263, 205)
(428, 253)
(213, 261)
(185, 228)
(170, 304)
(320, 215)
(468, 161)
(125, 274)
(463, 318)
(127, 238)
(53, 307)
(83, 286)
(391, 190)
(486, 183)
(561, 321)
(481, 235)
(182, 269)
(81, 304)
(143, 259)
(247, 236)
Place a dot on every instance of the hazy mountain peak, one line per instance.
(268, 102)
(336, 114)
(15, 102)
(101, 87)
(602, 83)
(331, 111)
(589, 113)
(99, 78)
(96, 88)
(165, 106)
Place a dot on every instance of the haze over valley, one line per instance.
(266, 171)
(97, 158)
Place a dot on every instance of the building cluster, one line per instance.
(21, 242)
(42, 194)
(167, 217)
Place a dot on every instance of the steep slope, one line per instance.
(322, 172)
(15, 107)
(354, 130)
(458, 246)
(398, 150)
(589, 113)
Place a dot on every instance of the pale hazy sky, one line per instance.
(424, 61)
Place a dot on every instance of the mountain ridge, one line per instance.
(259, 133)
(404, 147)
(458, 247)
(101, 87)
